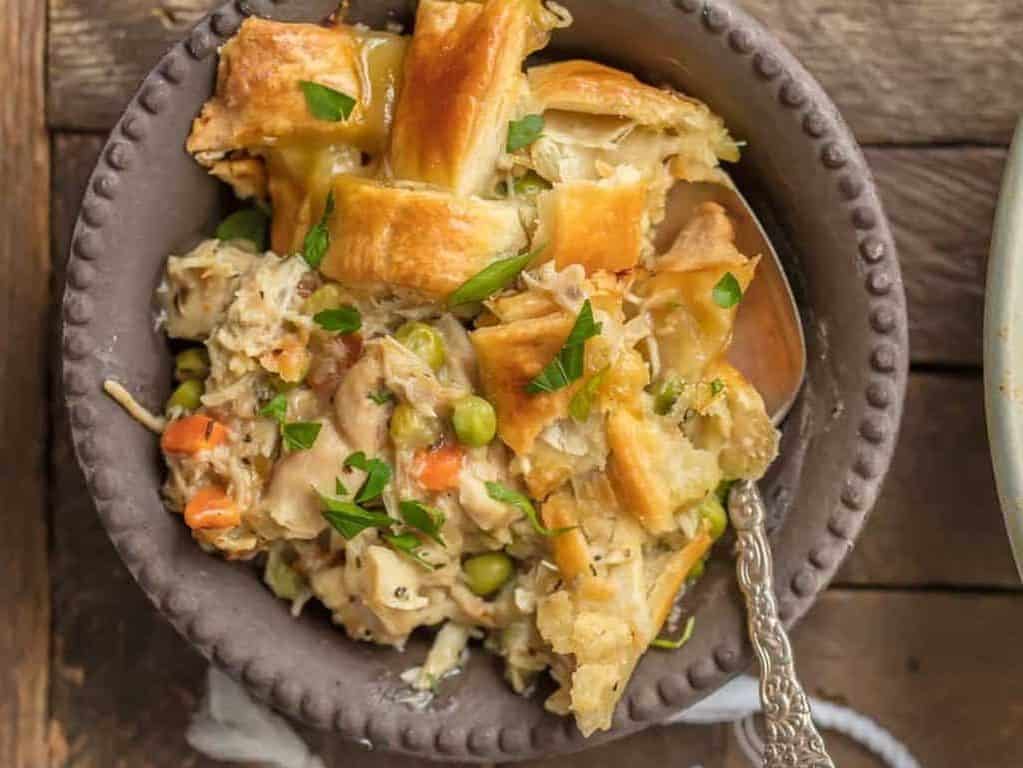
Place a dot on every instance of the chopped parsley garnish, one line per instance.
(582, 401)
(297, 435)
(567, 366)
(717, 387)
(350, 519)
(507, 495)
(491, 279)
(727, 292)
(325, 103)
(423, 518)
(300, 435)
(382, 397)
(378, 475)
(276, 409)
(409, 544)
(674, 645)
(317, 240)
(344, 319)
(522, 133)
(247, 224)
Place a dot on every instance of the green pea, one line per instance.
(425, 341)
(485, 574)
(530, 184)
(412, 429)
(283, 580)
(666, 393)
(193, 363)
(328, 296)
(187, 395)
(713, 512)
(475, 421)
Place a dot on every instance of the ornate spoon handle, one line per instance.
(792, 738)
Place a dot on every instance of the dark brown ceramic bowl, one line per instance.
(808, 181)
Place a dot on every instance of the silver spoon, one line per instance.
(769, 348)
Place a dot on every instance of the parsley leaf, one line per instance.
(300, 435)
(717, 387)
(423, 518)
(325, 103)
(247, 224)
(491, 279)
(382, 397)
(522, 133)
(276, 409)
(567, 366)
(378, 475)
(344, 319)
(317, 240)
(504, 494)
(674, 645)
(408, 544)
(581, 405)
(727, 292)
(339, 487)
(723, 491)
(350, 519)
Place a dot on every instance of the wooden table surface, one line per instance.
(922, 629)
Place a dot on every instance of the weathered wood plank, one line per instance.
(100, 50)
(935, 70)
(24, 298)
(937, 670)
(938, 522)
(922, 71)
(941, 204)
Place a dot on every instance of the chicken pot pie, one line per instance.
(461, 390)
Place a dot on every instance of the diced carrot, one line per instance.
(211, 507)
(192, 434)
(439, 468)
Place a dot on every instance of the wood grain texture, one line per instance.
(24, 297)
(935, 669)
(910, 71)
(941, 202)
(938, 522)
(101, 49)
(927, 70)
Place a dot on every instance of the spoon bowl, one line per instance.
(768, 345)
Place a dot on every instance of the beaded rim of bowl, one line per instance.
(838, 156)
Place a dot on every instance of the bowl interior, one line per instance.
(808, 182)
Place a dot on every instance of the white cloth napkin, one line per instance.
(231, 726)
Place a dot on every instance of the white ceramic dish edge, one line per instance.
(1003, 348)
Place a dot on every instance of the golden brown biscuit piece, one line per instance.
(571, 553)
(691, 328)
(656, 470)
(592, 88)
(418, 239)
(462, 82)
(600, 225)
(259, 102)
(597, 114)
(509, 357)
(742, 432)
